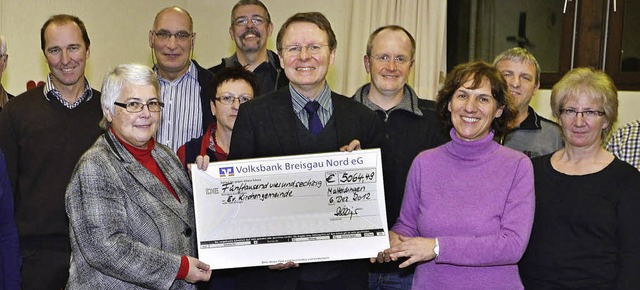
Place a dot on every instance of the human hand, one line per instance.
(284, 266)
(202, 161)
(198, 271)
(353, 145)
(417, 249)
(382, 257)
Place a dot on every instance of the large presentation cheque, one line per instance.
(304, 208)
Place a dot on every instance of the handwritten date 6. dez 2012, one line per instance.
(354, 197)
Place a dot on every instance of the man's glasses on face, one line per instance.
(297, 49)
(136, 107)
(166, 35)
(388, 59)
(244, 21)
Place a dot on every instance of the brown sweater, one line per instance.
(42, 141)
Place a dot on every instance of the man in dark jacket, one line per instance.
(529, 133)
(304, 117)
(410, 126)
(250, 28)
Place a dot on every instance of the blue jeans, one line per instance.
(390, 281)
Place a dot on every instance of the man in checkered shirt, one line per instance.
(625, 143)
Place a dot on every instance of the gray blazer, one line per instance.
(127, 230)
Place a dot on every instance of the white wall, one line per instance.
(118, 31)
(628, 106)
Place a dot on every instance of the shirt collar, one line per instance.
(50, 90)
(408, 103)
(191, 73)
(299, 101)
(532, 122)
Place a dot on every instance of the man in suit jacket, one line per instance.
(305, 117)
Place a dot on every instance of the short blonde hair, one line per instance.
(594, 83)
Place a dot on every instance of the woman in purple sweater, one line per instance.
(468, 205)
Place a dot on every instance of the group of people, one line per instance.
(103, 198)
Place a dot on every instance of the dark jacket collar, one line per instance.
(272, 58)
(532, 122)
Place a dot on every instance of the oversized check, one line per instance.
(304, 208)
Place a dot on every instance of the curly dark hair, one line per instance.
(478, 72)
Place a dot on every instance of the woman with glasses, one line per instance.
(129, 201)
(586, 232)
(232, 86)
(468, 204)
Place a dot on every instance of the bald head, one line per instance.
(174, 10)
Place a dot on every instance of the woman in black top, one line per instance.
(586, 231)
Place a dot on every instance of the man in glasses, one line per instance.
(184, 85)
(43, 133)
(250, 28)
(410, 127)
(4, 57)
(304, 117)
(530, 133)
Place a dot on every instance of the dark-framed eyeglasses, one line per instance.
(388, 59)
(589, 114)
(255, 20)
(137, 107)
(228, 99)
(163, 35)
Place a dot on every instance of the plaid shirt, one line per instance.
(625, 143)
(51, 91)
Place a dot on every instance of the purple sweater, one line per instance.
(477, 198)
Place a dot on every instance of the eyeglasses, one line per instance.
(228, 100)
(243, 21)
(165, 35)
(297, 49)
(590, 115)
(388, 59)
(136, 107)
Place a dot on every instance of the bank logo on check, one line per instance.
(226, 171)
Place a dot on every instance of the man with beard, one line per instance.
(530, 133)
(250, 28)
(184, 85)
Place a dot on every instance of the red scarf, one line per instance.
(144, 157)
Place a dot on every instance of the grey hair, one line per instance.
(117, 80)
(3, 45)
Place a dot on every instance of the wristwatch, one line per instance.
(436, 248)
